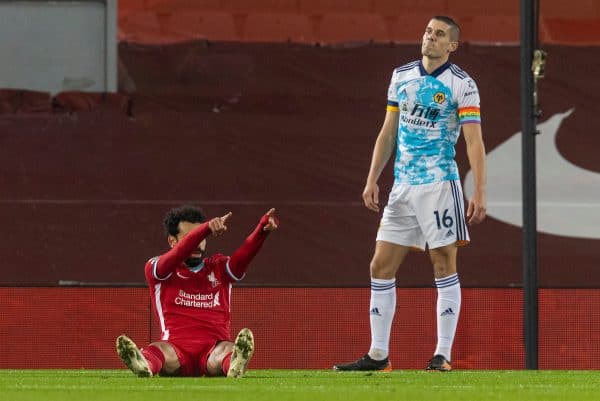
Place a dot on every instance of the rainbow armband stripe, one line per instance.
(469, 115)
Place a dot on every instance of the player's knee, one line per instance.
(381, 270)
(442, 269)
(171, 365)
(215, 359)
(213, 365)
(443, 261)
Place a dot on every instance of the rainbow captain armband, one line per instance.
(469, 115)
(392, 106)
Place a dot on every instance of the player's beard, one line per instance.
(192, 262)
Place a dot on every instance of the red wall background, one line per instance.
(333, 21)
(302, 328)
(91, 187)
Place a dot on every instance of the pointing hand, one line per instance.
(217, 225)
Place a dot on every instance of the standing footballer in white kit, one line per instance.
(429, 101)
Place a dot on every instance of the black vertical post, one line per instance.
(528, 128)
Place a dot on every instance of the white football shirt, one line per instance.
(432, 109)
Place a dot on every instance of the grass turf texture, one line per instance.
(311, 385)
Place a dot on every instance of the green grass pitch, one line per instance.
(305, 385)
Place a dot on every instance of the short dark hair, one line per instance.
(454, 27)
(187, 213)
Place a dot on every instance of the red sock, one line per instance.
(225, 363)
(155, 358)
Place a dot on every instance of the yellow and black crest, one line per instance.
(439, 97)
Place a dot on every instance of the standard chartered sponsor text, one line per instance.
(198, 300)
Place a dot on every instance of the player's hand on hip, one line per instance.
(476, 211)
(269, 221)
(218, 225)
(370, 196)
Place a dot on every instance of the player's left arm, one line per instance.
(241, 258)
(476, 210)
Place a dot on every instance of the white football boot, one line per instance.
(132, 357)
(243, 348)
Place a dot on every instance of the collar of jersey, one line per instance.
(437, 71)
(197, 269)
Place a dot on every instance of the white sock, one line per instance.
(448, 309)
(382, 308)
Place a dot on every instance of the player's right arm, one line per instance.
(384, 147)
(163, 266)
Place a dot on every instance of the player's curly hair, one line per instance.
(187, 213)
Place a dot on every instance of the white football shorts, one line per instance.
(425, 215)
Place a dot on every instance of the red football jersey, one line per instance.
(195, 305)
(192, 305)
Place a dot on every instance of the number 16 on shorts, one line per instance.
(445, 221)
(449, 217)
(424, 215)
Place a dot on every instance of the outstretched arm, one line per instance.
(241, 258)
(168, 262)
